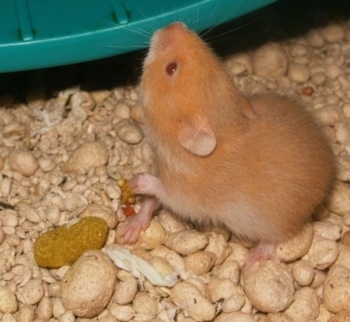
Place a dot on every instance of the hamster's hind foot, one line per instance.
(263, 252)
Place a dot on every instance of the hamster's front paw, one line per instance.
(146, 184)
(138, 183)
(131, 229)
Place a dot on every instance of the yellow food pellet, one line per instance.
(63, 245)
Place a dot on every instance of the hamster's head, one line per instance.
(178, 63)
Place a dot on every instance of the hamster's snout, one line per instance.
(165, 37)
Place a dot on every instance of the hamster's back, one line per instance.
(289, 160)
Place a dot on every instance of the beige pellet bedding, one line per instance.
(62, 156)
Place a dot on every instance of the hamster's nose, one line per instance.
(176, 25)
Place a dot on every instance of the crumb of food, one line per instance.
(128, 210)
(127, 197)
(308, 90)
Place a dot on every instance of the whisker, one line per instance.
(141, 13)
(116, 46)
(222, 19)
(242, 26)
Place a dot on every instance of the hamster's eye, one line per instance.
(171, 68)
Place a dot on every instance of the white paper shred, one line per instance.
(138, 267)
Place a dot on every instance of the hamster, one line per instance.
(258, 165)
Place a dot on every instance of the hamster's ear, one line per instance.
(197, 137)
